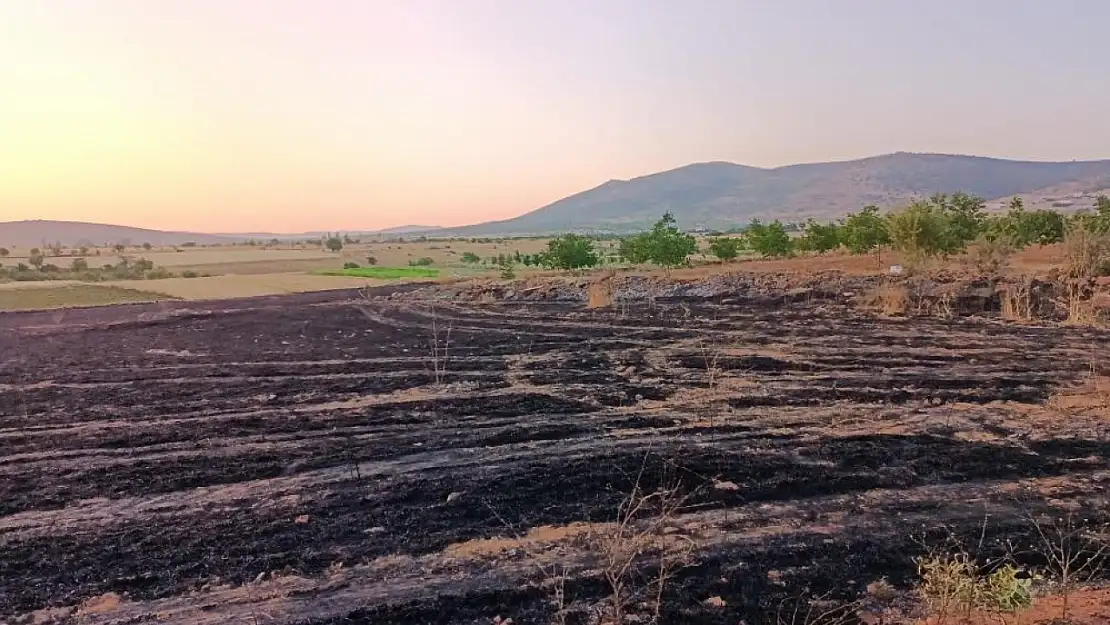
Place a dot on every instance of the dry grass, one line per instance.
(221, 287)
(890, 300)
(75, 295)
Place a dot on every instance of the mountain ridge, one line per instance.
(708, 194)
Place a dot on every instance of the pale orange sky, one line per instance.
(293, 115)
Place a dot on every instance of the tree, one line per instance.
(725, 248)
(4, 252)
(768, 240)
(921, 231)
(819, 237)
(79, 264)
(963, 215)
(119, 248)
(36, 258)
(371, 260)
(147, 246)
(471, 258)
(665, 244)
(865, 231)
(334, 244)
(570, 251)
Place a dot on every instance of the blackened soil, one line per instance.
(155, 450)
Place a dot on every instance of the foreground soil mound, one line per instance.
(433, 457)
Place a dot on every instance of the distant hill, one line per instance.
(722, 195)
(46, 232)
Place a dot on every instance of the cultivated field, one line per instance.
(322, 458)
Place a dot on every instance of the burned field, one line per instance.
(326, 459)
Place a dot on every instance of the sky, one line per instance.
(295, 115)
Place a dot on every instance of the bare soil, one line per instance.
(294, 459)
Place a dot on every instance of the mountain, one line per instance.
(720, 195)
(46, 232)
(404, 230)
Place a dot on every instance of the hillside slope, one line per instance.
(47, 232)
(720, 195)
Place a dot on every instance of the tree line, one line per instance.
(942, 225)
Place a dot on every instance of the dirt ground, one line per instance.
(316, 459)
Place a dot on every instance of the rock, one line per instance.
(715, 602)
(453, 496)
(301, 520)
(725, 485)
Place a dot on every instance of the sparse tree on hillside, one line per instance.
(665, 244)
(334, 244)
(570, 251)
(725, 248)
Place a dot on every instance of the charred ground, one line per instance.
(306, 458)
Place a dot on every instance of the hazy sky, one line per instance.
(288, 115)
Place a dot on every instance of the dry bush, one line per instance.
(889, 300)
(991, 255)
(1074, 554)
(1017, 302)
(600, 295)
(1086, 257)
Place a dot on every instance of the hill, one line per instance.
(723, 195)
(46, 232)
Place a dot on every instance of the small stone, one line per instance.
(301, 520)
(715, 602)
(725, 485)
(453, 496)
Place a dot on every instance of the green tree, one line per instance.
(865, 231)
(334, 244)
(79, 264)
(963, 215)
(920, 231)
(4, 252)
(147, 246)
(819, 237)
(471, 258)
(768, 240)
(570, 251)
(665, 244)
(36, 258)
(725, 248)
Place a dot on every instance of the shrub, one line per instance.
(920, 232)
(350, 265)
(819, 237)
(371, 260)
(334, 244)
(768, 240)
(79, 264)
(188, 273)
(664, 245)
(471, 258)
(865, 231)
(570, 251)
(4, 251)
(725, 248)
(423, 261)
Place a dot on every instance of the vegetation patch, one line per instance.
(383, 273)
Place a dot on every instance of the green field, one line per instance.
(384, 273)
